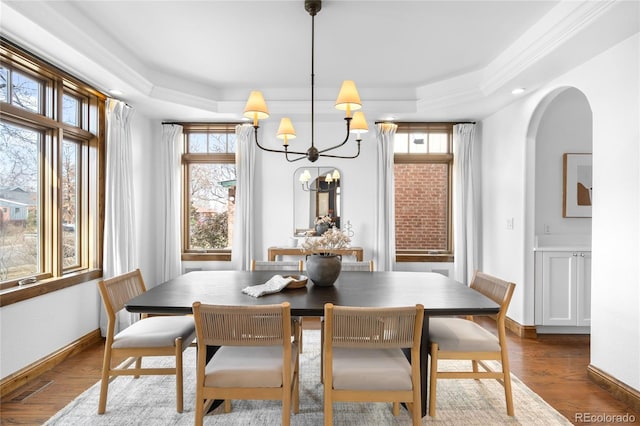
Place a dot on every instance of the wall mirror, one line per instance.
(316, 192)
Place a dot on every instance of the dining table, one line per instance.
(440, 296)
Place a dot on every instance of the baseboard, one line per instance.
(615, 387)
(30, 372)
(560, 329)
(526, 331)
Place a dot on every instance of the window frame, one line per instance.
(423, 256)
(90, 135)
(188, 254)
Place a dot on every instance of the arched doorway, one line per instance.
(561, 124)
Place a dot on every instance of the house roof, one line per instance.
(18, 196)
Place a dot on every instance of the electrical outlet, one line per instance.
(547, 229)
(510, 223)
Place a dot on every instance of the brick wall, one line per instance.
(421, 206)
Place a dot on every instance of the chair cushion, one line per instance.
(156, 332)
(370, 369)
(247, 366)
(461, 335)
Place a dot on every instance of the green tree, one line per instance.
(208, 230)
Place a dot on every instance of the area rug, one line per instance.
(150, 400)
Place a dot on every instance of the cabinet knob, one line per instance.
(581, 254)
(575, 254)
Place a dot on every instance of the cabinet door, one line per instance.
(583, 288)
(559, 288)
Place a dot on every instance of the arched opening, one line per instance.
(562, 123)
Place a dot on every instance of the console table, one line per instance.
(274, 252)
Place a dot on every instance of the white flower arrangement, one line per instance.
(323, 220)
(325, 245)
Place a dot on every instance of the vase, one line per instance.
(321, 228)
(323, 269)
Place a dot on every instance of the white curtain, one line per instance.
(385, 250)
(120, 253)
(170, 152)
(464, 203)
(243, 226)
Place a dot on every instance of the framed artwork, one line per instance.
(577, 192)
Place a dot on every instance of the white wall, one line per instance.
(502, 188)
(610, 84)
(37, 327)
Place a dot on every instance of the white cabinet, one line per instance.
(563, 281)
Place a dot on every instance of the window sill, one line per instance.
(19, 293)
(424, 257)
(206, 256)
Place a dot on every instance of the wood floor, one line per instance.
(553, 366)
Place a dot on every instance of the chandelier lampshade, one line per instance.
(286, 130)
(256, 107)
(359, 123)
(348, 98)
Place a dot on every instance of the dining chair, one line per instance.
(363, 357)
(150, 336)
(276, 265)
(256, 358)
(366, 266)
(283, 265)
(464, 339)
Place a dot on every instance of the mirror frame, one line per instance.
(307, 208)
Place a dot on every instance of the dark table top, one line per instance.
(439, 295)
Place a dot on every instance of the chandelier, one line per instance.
(348, 100)
(331, 181)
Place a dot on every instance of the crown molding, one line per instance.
(559, 25)
(71, 45)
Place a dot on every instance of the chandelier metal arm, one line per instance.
(302, 156)
(308, 155)
(346, 138)
(344, 156)
(306, 187)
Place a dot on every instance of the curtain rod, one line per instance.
(201, 123)
(425, 122)
(182, 123)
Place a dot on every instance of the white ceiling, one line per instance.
(426, 60)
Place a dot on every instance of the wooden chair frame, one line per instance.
(275, 265)
(373, 328)
(266, 325)
(364, 266)
(501, 292)
(115, 293)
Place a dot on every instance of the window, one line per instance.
(51, 174)
(423, 162)
(209, 182)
